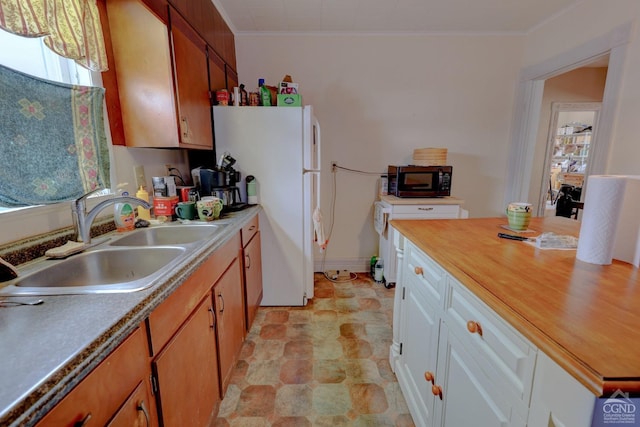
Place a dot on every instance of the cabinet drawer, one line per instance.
(425, 275)
(425, 211)
(105, 389)
(249, 230)
(506, 357)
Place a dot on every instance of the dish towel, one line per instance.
(54, 146)
(318, 229)
(380, 218)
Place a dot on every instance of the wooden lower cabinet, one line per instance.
(252, 263)
(174, 369)
(113, 390)
(136, 411)
(187, 371)
(230, 324)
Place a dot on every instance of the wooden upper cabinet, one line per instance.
(192, 85)
(232, 77)
(205, 18)
(142, 62)
(217, 76)
(162, 77)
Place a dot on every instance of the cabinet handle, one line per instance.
(83, 422)
(248, 263)
(428, 375)
(142, 408)
(418, 270)
(474, 327)
(253, 227)
(425, 209)
(436, 390)
(213, 317)
(222, 302)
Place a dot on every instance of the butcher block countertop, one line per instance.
(586, 317)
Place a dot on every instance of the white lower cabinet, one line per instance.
(469, 396)
(460, 364)
(419, 352)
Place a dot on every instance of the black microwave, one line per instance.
(420, 181)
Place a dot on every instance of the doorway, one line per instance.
(569, 143)
(529, 97)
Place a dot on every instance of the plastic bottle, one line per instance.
(142, 212)
(265, 95)
(372, 270)
(244, 96)
(378, 275)
(124, 216)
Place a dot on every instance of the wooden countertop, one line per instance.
(393, 200)
(586, 317)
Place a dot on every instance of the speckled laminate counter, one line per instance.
(46, 350)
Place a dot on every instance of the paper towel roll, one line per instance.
(602, 202)
(627, 241)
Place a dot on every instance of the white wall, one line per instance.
(378, 97)
(588, 21)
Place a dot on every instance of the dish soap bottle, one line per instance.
(142, 212)
(123, 215)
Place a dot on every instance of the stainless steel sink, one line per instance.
(111, 270)
(169, 235)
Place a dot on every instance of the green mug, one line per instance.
(519, 215)
(186, 210)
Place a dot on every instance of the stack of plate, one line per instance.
(430, 156)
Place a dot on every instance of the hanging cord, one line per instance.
(352, 275)
(359, 171)
(179, 175)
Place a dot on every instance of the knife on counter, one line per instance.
(514, 237)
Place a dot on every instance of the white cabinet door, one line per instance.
(419, 350)
(469, 398)
(558, 399)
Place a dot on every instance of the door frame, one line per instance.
(556, 109)
(528, 103)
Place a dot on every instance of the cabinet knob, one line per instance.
(418, 271)
(428, 375)
(437, 391)
(247, 264)
(474, 327)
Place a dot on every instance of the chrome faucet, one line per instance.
(82, 220)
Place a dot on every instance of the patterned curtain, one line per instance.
(71, 27)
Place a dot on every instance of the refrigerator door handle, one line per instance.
(317, 140)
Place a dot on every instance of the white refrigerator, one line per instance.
(280, 147)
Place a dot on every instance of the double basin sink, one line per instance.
(127, 263)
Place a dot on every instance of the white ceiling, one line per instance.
(389, 16)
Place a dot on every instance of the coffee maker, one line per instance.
(220, 181)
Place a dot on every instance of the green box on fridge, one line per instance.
(289, 100)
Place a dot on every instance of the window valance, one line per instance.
(71, 27)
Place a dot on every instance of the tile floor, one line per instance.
(326, 364)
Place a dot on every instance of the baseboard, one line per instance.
(356, 265)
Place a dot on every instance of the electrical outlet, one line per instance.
(167, 169)
(334, 166)
(138, 173)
